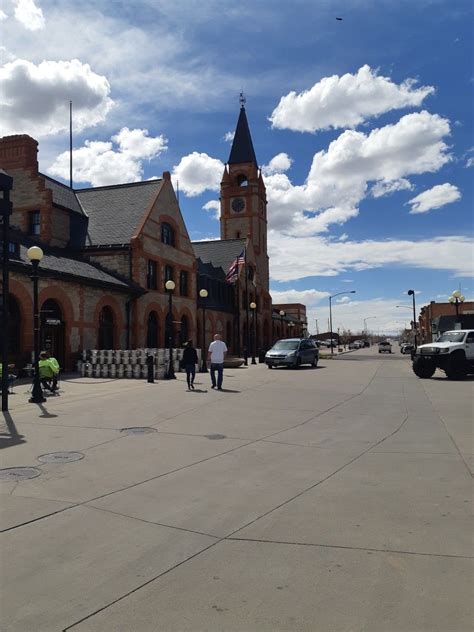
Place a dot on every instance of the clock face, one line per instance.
(238, 204)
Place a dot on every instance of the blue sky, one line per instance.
(363, 128)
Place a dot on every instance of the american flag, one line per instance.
(234, 270)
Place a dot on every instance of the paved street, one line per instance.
(328, 499)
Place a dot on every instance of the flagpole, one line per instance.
(237, 288)
(247, 342)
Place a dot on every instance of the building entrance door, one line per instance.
(52, 330)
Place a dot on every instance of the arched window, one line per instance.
(167, 234)
(184, 333)
(242, 180)
(152, 327)
(106, 328)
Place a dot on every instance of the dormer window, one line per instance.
(167, 234)
(34, 227)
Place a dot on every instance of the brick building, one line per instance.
(108, 252)
(438, 317)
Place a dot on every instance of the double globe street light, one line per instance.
(457, 299)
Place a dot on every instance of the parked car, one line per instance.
(292, 352)
(385, 347)
(354, 345)
(407, 347)
(453, 353)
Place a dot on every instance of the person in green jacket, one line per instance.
(48, 371)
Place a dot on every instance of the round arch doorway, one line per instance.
(52, 329)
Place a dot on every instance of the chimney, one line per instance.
(19, 152)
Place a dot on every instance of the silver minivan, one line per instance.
(292, 352)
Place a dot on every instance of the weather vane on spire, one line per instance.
(242, 99)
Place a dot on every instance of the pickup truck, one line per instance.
(453, 353)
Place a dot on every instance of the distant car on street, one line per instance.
(292, 352)
(385, 347)
(355, 344)
(407, 347)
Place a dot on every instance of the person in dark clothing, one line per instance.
(190, 359)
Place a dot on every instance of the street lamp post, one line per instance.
(412, 294)
(457, 299)
(253, 307)
(170, 285)
(282, 315)
(6, 184)
(330, 313)
(365, 323)
(203, 294)
(35, 254)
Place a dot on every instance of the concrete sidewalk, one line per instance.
(336, 498)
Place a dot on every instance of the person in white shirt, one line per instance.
(216, 354)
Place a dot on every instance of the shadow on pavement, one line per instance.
(45, 412)
(11, 436)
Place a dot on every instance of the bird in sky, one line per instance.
(340, 19)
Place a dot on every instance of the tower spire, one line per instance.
(242, 147)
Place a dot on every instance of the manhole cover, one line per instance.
(13, 474)
(60, 457)
(138, 430)
(215, 436)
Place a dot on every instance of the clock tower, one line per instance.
(243, 198)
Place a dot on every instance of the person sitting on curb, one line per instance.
(216, 353)
(11, 376)
(48, 371)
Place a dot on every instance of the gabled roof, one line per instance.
(56, 263)
(220, 252)
(115, 212)
(62, 194)
(242, 146)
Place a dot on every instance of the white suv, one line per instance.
(385, 347)
(453, 353)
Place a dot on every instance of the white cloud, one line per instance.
(339, 177)
(345, 101)
(307, 297)
(198, 172)
(37, 97)
(438, 196)
(343, 237)
(29, 15)
(101, 164)
(3, 15)
(214, 208)
(278, 164)
(296, 258)
(384, 187)
(343, 299)
(469, 162)
(229, 137)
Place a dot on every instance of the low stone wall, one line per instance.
(129, 364)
